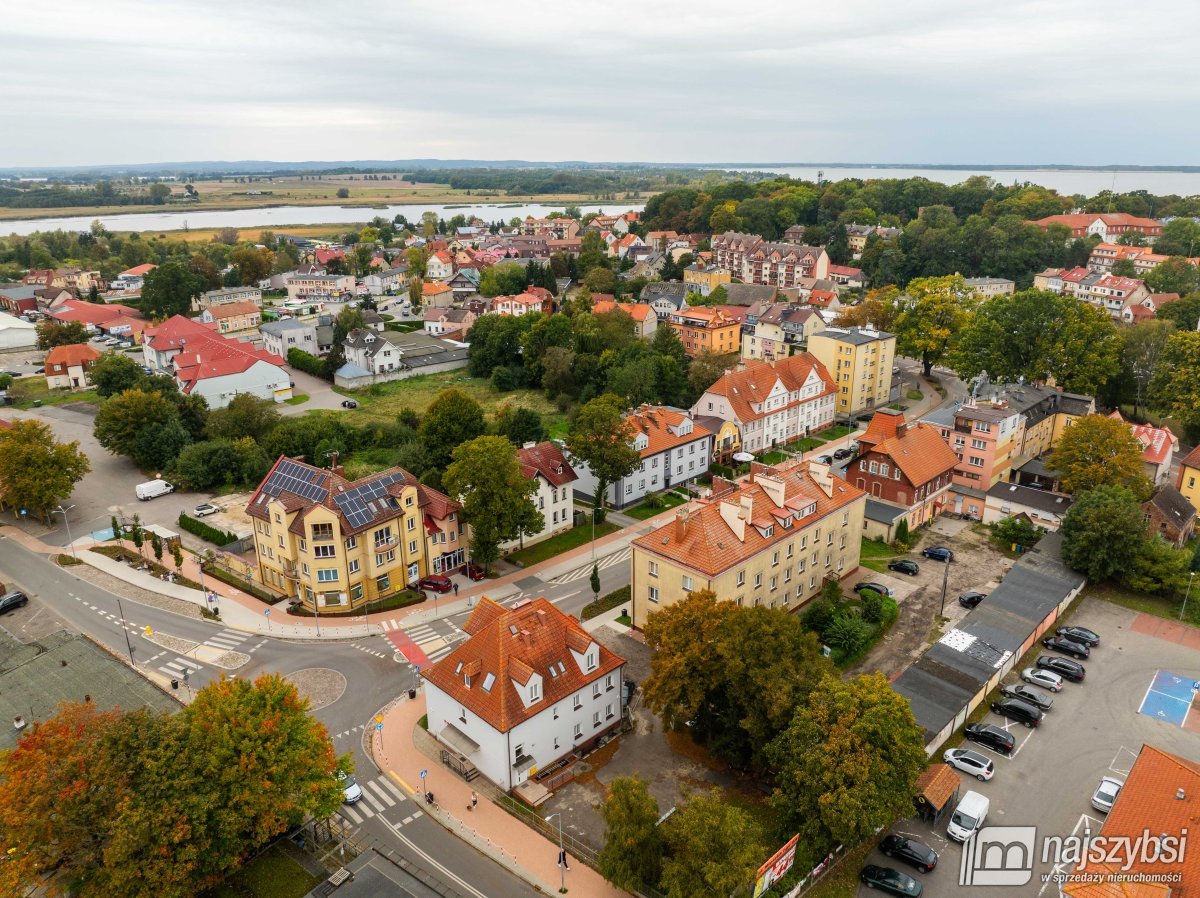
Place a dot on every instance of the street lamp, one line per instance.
(562, 855)
(125, 630)
(1191, 577)
(945, 579)
(63, 511)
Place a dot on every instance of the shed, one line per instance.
(937, 792)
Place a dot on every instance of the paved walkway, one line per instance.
(402, 749)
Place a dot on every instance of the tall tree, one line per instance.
(520, 425)
(601, 438)
(169, 289)
(114, 373)
(497, 501)
(144, 426)
(1141, 354)
(36, 471)
(348, 319)
(246, 415)
(632, 853)
(709, 367)
(253, 263)
(51, 333)
(1176, 275)
(1103, 532)
(933, 314)
(713, 849)
(1099, 451)
(1176, 384)
(453, 418)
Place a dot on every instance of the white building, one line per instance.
(528, 688)
(227, 295)
(380, 282)
(289, 333)
(319, 286)
(546, 464)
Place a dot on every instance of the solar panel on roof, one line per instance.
(292, 477)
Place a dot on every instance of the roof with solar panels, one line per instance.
(360, 504)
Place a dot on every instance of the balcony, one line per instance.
(290, 570)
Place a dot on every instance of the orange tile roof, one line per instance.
(659, 425)
(139, 270)
(753, 383)
(634, 310)
(1157, 442)
(435, 289)
(709, 545)
(546, 458)
(514, 644)
(234, 309)
(76, 354)
(938, 783)
(918, 450)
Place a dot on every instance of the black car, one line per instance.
(1067, 646)
(349, 403)
(904, 566)
(1083, 635)
(910, 852)
(1020, 711)
(1026, 693)
(842, 453)
(938, 553)
(878, 587)
(991, 736)
(12, 600)
(825, 459)
(1065, 667)
(971, 599)
(891, 881)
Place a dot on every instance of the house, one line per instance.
(1171, 515)
(665, 297)
(772, 403)
(660, 240)
(333, 543)
(439, 266)
(452, 323)
(861, 361)
(546, 465)
(111, 317)
(16, 333)
(67, 366)
(16, 299)
(1188, 479)
(704, 279)
(557, 228)
(1159, 446)
(755, 261)
(1043, 508)
(1105, 224)
(748, 295)
(437, 295)
(986, 288)
(464, 282)
(289, 333)
(526, 689)
(771, 540)
(231, 317)
(620, 248)
(847, 276)
(227, 295)
(385, 280)
(324, 255)
(674, 449)
(131, 280)
(319, 286)
(908, 465)
(779, 329)
(1105, 255)
(1111, 293)
(373, 357)
(645, 321)
(534, 301)
(794, 234)
(706, 330)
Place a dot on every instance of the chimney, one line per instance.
(1180, 795)
(681, 523)
(746, 508)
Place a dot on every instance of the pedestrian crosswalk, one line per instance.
(378, 795)
(586, 570)
(434, 644)
(177, 666)
(227, 640)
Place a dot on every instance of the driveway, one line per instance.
(319, 392)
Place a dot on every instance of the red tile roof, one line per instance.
(325, 256)
(138, 270)
(661, 428)
(233, 309)
(508, 644)
(635, 310)
(201, 353)
(77, 354)
(752, 383)
(918, 450)
(1157, 442)
(91, 312)
(547, 459)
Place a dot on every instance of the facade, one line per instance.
(386, 280)
(231, 317)
(772, 403)
(449, 322)
(753, 260)
(1188, 479)
(556, 228)
(1170, 515)
(527, 688)
(706, 330)
(227, 295)
(131, 279)
(847, 276)
(779, 330)
(665, 297)
(1009, 500)
(439, 296)
(908, 465)
(986, 288)
(439, 266)
(289, 333)
(546, 465)
(374, 357)
(67, 366)
(645, 321)
(1108, 225)
(860, 360)
(674, 447)
(771, 540)
(1159, 446)
(336, 543)
(319, 286)
(704, 279)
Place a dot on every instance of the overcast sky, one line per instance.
(926, 81)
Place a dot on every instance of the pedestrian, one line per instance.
(474, 800)
(456, 590)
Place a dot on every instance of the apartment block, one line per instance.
(860, 359)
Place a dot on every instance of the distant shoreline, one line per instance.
(1045, 167)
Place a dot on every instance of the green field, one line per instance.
(642, 511)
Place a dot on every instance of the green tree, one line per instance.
(1124, 268)
(144, 426)
(1141, 354)
(713, 849)
(934, 313)
(838, 246)
(600, 280)
(1184, 312)
(1176, 275)
(36, 471)
(253, 263)
(1103, 532)
(503, 279)
(1179, 237)
(177, 556)
(520, 425)
(51, 333)
(486, 477)
(848, 633)
(348, 319)
(594, 581)
(170, 288)
(666, 343)
(246, 415)
(1099, 451)
(632, 854)
(1159, 569)
(452, 418)
(601, 438)
(156, 546)
(709, 367)
(1176, 382)
(848, 761)
(343, 193)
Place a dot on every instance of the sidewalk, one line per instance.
(402, 749)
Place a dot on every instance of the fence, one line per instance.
(817, 873)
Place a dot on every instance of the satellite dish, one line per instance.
(743, 457)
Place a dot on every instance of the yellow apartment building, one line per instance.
(860, 360)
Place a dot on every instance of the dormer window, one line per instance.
(535, 691)
(591, 660)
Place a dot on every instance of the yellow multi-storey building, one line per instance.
(1188, 481)
(771, 541)
(337, 543)
(860, 360)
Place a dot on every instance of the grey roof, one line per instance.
(280, 327)
(984, 282)
(856, 336)
(748, 294)
(1042, 500)
(884, 512)
(63, 667)
(942, 416)
(663, 289)
(1037, 467)
(20, 291)
(1174, 505)
(352, 370)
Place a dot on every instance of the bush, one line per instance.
(205, 532)
(1021, 531)
(818, 616)
(902, 534)
(721, 471)
(606, 603)
(219, 573)
(68, 560)
(654, 500)
(507, 378)
(872, 606)
(848, 633)
(306, 362)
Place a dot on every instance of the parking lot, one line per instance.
(1094, 730)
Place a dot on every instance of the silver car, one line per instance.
(1106, 793)
(979, 766)
(1047, 679)
(1027, 693)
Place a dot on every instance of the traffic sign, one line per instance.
(148, 631)
(267, 612)
(379, 727)
(423, 773)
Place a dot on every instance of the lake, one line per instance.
(279, 218)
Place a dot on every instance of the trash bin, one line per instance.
(37, 403)
(412, 693)
(174, 683)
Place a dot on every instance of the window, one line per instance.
(578, 732)
(352, 542)
(687, 583)
(356, 592)
(322, 531)
(608, 683)
(654, 569)
(303, 546)
(789, 550)
(383, 536)
(595, 690)
(608, 711)
(412, 547)
(652, 594)
(324, 551)
(304, 569)
(591, 660)
(383, 583)
(462, 713)
(774, 583)
(629, 488)
(556, 738)
(408, 501)
(595, 719)
(382, 558)
(578, 703)
(411, 524)
(741, 578)
(775, 559)
(757, 580)
(354, 566)
(535, 688)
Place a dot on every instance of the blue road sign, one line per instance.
(423, 772)
(267, 612)
(379, 726)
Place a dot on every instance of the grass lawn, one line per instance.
(605, 603)
(915, 395)
(1159, 606)
(875, 555)
(642, 511)
(270, 875)
(838, 430)
(26, 390)
(404, 327)
(297, 399)
(805, 445)
(772, 457)
(843, 880)
(383, 402)
(563, 542)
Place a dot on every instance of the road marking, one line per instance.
(349, 811)
(387, 799)
(429, 860)
(375, 803)
(392, 788)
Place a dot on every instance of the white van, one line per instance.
(968, 817)
(152, 489)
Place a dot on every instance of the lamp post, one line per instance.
(63, 511)
(562, 855)
(945, 580)
(1191, 577)
(125, 630)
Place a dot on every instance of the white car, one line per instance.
(204, 509)
(979, 766)
(1047, 679)
(353, 791)
(1106, 793)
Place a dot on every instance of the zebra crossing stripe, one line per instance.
(393, 788)
(349, 811)
(387, 799)
(375, 803)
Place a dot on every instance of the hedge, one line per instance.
(401, 599)
(206, 532)
(219, 573)
(606, 603)
(306, 362)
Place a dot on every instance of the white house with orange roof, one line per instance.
(546, 465)
(527, 688)
(439, 266)
(645, 319)
(131, 279)
(1159, 446)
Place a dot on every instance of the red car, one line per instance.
(437, 583)
(474, 572)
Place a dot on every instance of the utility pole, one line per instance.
(1191, 577)
(63, 511)
(562, 855)
(945, 581)
(125, 630)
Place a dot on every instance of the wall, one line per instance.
(261, 379)
(353, 383)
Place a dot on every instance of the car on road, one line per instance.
(1028, 694)
(904, 566)
(350, 788)
(938, 553)
(12, 600)
(152, 489)
(969, 815)
(889, 880)
(474, 572)
(910, 851)
(436, 582)
(349, 403)
(1067, 646)
(992, 736)
(971, 598)
(1083, 635)
(1106, 793)
(1047, 679)
(825, 459)
(14, 373)
(970, 762)
(1015, 709)
(878, 587)
(1068, 669)
(204, 509)
(842, 453)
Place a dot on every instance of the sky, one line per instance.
(1089, 82)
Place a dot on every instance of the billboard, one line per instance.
(776, 868)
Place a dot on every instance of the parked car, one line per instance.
(904, 566)
(349, 403)
(1015, 709)
(1083, 635)
(938, 553)
(825, 459)
(436, 582)
(152, 489)
(204, 509)
(1068, 669)
(1047, 679)
(910, 851)
(979, 766)
(39, 371)
(1028, 694)
(839, 454)
(12, 600)
(878, 587)
(14, 373)
(971, 599)
(474, 572)
(1106, 793)
(991, 736)
(350, 788)
(889, 880)
(1067, 646)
